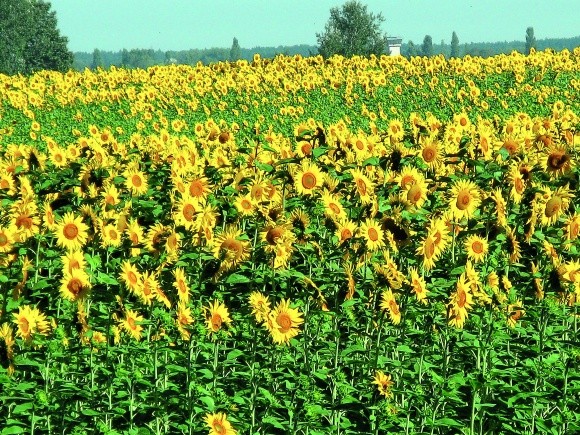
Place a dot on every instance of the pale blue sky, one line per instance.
(184, 24)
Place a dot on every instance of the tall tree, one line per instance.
(352, 30)
(14, 18)
(530, 40)
(454, 45)
(30, 39)
(411, 49)
(45, 47)
(235, 51)
(97, 59)
(427, 47)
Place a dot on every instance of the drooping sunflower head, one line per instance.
(231, 248)
(556, 161)
(217, 315)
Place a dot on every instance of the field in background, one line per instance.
(292, 245)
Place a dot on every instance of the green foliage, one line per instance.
(454, 45)
(427, 46)
(97, 59)
(29, 38)
(235, 51)
(351, 30)
(530, 40)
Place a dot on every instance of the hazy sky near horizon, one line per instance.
(112, 25)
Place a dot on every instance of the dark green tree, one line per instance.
(530, 40)
(411, 49)
(14, 19)
(97, 59)
(351, 30)
(427, 47)
(45, 47)
(235, 51)
(454, 45)
(29, 38)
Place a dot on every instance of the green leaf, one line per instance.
(317, 152)
(264, 167)
(448, 422)
(103, 278)
(236, 278)
(12, 430)
(274, 422)
(209, 402)
(22, 408)
(90, 413)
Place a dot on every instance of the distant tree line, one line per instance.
(487, 49)
(143, 58)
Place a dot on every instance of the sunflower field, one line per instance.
(292, 246)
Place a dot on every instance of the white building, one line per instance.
(394, 45)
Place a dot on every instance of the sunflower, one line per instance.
(416, 194)
(276, 234)
(25, 219)
(389, 303)
(345, 230)
(199, 188)
(7, 183)
(409, 175)
(460, 302)
(383, 383)
(373, 234)
(136, 182)
(556, 161)
(172, 245)
(183, 320)
(131, 324)
(464, 199)
(130, 276)
(572, 229)
(230, 248)
(476, 248)
(554, 204)
(7, 238)
(333, 208)
(219, 424)
(283, 322)
(180, 284)
(71, 232)
(514, 313)
(365, 188)
(216, 315)
(308, 179)
(260, 306)
(30, 321)
(418, 285)
(431, 153)
(110, 197)
(156, 237)
(513, 246)
(439, 230)
(500, 207)
(148, 287)
(246, 205)
(75, 285)
(7, 336)
(427, 249)
(110, 236)
(517, 182)
(134, 233)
